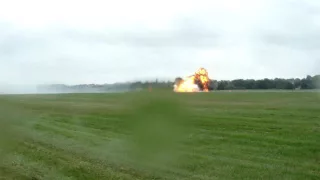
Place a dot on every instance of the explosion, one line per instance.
(198, 82)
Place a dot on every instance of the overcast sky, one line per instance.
(100, 41)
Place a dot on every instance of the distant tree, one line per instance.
(306, 83)
(222, 85)
(316, 81)
(297, 83)
(238, 84)
(213, 85)
(230, 86)
(261, 84)
(249, 84)
(289, 85)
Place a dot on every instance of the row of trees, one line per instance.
(277, 83)
(305, 83)
(308, 82)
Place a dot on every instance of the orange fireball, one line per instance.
(195, 83)
(186, 85)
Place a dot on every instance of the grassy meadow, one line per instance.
(161, 135)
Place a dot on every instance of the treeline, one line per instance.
(308, 82)
(277, 83)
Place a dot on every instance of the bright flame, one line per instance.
(186, 85)
(192, 83)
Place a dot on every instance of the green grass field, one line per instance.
(222, 135)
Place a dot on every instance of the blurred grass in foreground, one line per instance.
(158, 123)
(160, 135)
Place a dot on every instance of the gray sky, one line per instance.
(100, 41)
